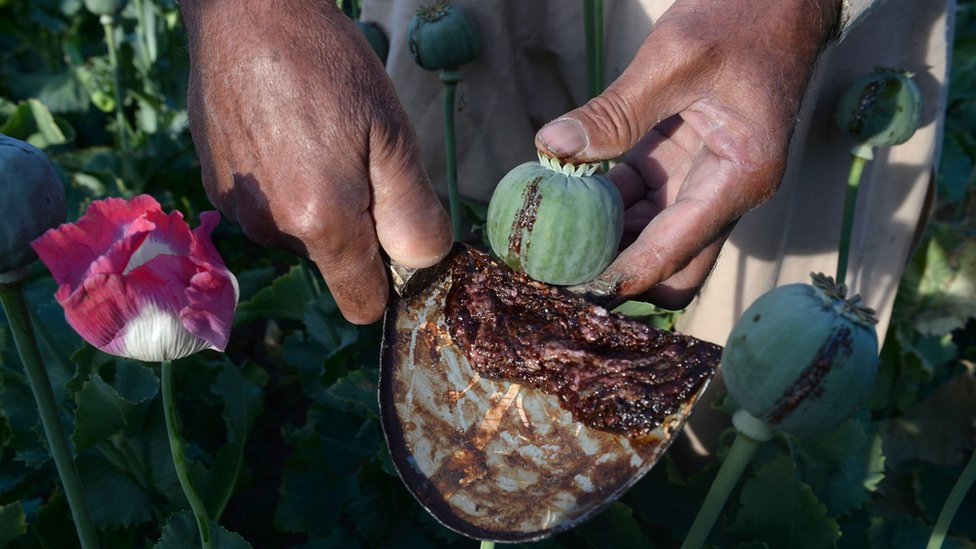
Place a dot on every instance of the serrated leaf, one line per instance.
(100, 414)
(114, 499)
(25, 437)
(948, 285)
(181, 532)
(134, 382)
(939, 429)
(13, 522)
(356, 392)
(252, 281)
(842, 467)
(242, 403)
(285, 298)
(782, 511)
(312, 500)
(614, 527)
(324, 326)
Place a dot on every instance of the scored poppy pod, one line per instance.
(137, 282)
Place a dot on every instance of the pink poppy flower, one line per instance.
(135, 282)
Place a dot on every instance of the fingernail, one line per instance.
(564, 137)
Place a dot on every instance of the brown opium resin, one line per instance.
(610, 372)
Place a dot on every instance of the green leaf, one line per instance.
(134, 382)
(181, 532)
(285, 298)
(242, 404)
(13, 522)
(939, 429)
(842, 467)
(114, 499)
(312, 500)
(614, 527)
(783, 512)
(33, 122)
(948, 286)
(356, 392)
(253, 280)
(100, 414)
(60, 92)
(17, 405)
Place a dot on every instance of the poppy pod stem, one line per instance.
(952, 503)
(451, 77)
(750, 431)
(860, 156)
(15, 306)
(179, 456)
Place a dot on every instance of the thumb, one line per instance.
(651, 89)
(411, 224)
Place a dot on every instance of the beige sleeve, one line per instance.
(852, 12)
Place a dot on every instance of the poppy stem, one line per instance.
(750, 431)
(451, 78)
(179, 456)
(860, 156)
(952, 503)
(15, 306)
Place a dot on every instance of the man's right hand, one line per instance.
(304, 144)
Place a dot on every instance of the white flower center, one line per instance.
(157, 335)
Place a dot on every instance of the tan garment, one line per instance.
(532, 70)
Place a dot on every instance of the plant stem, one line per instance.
(750, 431)
(589, 36)
(597, 47)
(860, 156)
(952, 503)
(450, 78)
(179, 456)
(487, 544)
(108, 24)
(15, 306)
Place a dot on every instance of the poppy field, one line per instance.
(255, 422)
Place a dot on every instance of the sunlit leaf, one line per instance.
(842, 467)
(778, 509)
(33, 122)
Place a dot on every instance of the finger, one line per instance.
(678, 290)
(344, 247)
(662, 80)
(411, 224)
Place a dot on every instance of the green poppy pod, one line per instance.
(104, 7)
(31, 202)
(559, 224)
(442, 36)
(881, 109)
(802, 357)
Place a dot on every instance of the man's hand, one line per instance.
(704, 113)
(304, 145)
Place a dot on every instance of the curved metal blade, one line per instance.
(491, 459)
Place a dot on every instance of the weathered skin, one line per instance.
(303, 143)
